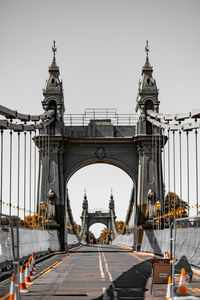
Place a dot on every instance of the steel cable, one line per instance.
(197, 187)
(164, 173)
(153, 169)
(160, 172)
(169, 203)
(24, 175)
(18, 174)
(30, 173)
(174, 163)
(1, 175)
(34, 212)
(188, 171)
(180, 169)
(10, 181)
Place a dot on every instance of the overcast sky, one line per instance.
(100, 55)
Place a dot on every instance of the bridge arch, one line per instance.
(91, 161)
(93, 222)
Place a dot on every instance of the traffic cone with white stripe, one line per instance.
(22, 285)
(33, 259)
(30, 267)
(166, 254)
(169, 289)
(182, 288)
(12, 294)
(27, 274)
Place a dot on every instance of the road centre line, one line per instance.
(100, 265)
(106, 265)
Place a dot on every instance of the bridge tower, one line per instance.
(65, 148)
(90, 218)
(51, 191)
(150, 179)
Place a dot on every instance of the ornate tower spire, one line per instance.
(54, 66)
(53, 92)
(147, 66)
(111, 194)
(111, 201)
(147, 92)
(85, 201)
(54, 49)
(85, 195)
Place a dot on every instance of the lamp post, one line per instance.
(43, 210)
(158, 209)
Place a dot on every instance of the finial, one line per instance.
(147, 49)
(111, 192)
(85, 193)
(54, 49)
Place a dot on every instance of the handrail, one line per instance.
(115, 119)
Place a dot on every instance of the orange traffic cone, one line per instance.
(166, 254)
(27, 274)
(30, 267)
(22, 285)
(33, 259)
(169, 289)
(175, 259)
(12, 293)
(33, 264)
(182, 288)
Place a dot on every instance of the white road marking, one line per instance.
(100, 265)
(106, 265)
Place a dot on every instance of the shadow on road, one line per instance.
(131, 283)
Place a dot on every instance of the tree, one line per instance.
(119, 226)
(174, 208)
(104, 236)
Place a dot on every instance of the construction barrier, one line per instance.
(30, 240)
(158, 241)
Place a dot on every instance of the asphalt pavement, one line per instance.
(95, 272)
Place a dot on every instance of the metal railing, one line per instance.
(98, 210)
(104, 114)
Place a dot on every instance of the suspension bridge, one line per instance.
(39, 154)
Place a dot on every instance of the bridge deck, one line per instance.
(97, 272)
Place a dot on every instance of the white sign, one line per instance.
(163, 275)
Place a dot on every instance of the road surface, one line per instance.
(96, 272)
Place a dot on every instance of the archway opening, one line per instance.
(98, 181)
(97, 229)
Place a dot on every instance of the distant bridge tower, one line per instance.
(90, 218)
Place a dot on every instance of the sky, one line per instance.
(100, 52)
